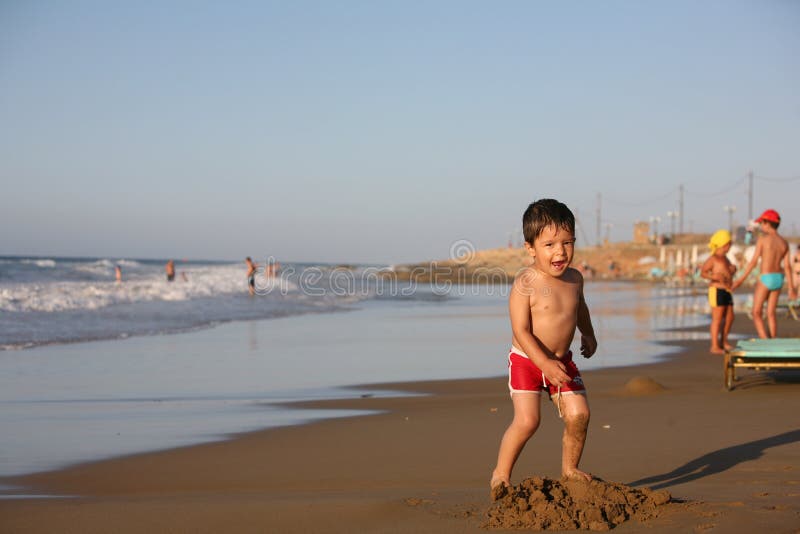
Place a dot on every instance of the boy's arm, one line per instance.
(707, 270)
(519, 310)
(750, 265)
(588, 341)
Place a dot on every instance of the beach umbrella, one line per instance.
(679, 258)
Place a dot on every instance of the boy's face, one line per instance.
(552, 251)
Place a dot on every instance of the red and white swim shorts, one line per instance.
(525, 377)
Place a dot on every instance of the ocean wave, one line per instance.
(81, 300)
(201, 282)
(44, 263)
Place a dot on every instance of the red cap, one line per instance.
(770, 215)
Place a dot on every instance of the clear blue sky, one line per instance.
(384, 131)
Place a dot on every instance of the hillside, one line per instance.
(630, 262)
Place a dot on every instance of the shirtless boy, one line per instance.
(718, 270)
(251, 275)
(773, 250)
(546, 304)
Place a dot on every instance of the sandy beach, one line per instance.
(729, 459)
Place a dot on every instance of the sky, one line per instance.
(386, 132)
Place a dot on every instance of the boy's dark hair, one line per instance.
(773, 224)
(543, 213)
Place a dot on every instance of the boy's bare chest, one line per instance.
(721, 265)
(555, 299)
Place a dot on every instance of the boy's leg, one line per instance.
(575, 409)
(726, 329)
(717, 319)
(759, 296)
(522, 427)
(772, 306)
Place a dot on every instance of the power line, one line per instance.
(649, 200)
(728, 189)
(790, 179)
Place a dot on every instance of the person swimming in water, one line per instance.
(251, 275)
(772, 250)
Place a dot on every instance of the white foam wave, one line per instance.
(105, 267)
(99, 267)
(203, 281)
(47, 263)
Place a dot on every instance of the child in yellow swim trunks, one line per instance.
(718, 270)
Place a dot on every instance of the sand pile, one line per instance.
(544, 504)
(642, 385)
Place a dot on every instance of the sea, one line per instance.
(92, 368)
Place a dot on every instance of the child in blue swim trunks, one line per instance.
(773, 251)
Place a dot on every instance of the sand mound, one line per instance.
(544, 504)
(643, 385)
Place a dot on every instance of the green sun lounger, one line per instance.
(778, 353)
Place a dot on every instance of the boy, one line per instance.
(772, 249)
(170, 269)
(546, 304)
(719, 271)
(251, 275)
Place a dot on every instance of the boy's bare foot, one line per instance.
(498, 487)
(728, 346)
(577, 474)
(499, 481)
(717, 350)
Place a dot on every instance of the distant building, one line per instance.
(739, 234)
(641, 232)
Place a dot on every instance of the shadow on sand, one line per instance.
(754, 379)
(717, 461)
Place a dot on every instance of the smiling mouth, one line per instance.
(558, 264)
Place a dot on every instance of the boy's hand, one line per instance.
(736, 284)
(556, 373)
(588, 345)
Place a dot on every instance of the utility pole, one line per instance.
(730, 210)
(598, 219)
(672, 215)
(680, 210)
(750, 197)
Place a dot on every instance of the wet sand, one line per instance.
(731, 459)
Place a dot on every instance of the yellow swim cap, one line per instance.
(719, 239)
